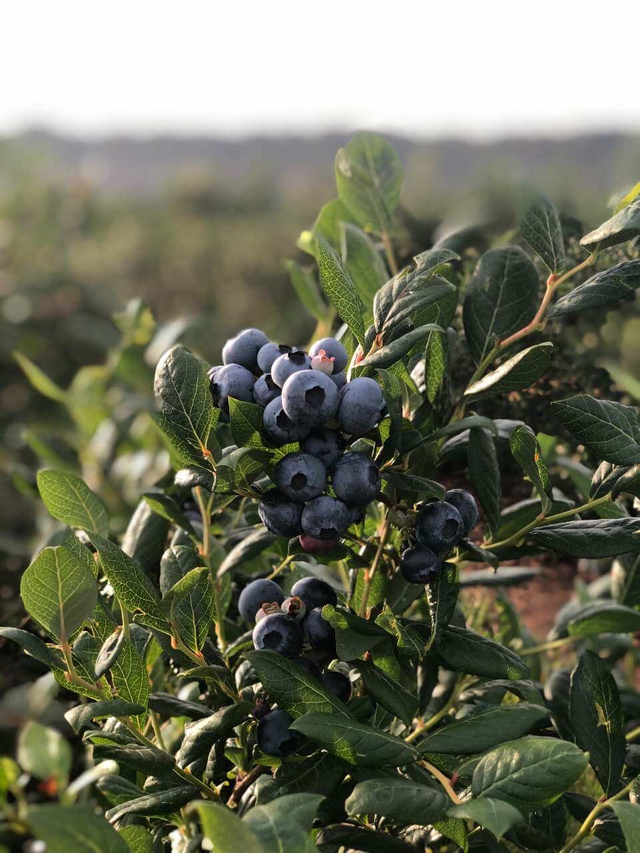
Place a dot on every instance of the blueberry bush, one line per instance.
(277, 651)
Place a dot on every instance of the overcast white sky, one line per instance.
(232, 67)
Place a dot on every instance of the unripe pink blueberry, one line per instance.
(317, 546)
(267, 609)
(323, 363)
(294, 607)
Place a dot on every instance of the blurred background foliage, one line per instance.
(197, 230)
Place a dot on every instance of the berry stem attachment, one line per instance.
(589, 822)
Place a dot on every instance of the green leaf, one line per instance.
(363, 262)
(502, 297)
(80, 716)
(541, 229)
(225, 831)
(285, 823)
(187, 416)
(464, 650)
(134, 756)
(34, 646)
(484, 471)
(130, 679)
(528, 773)
(402, 801)
(629, 816)
(167, 508)
(70, 500)
(255, 543)
(602, 290)
(527, 453)
(176, 562)
(199, 737)
(40, 381)
(623, 226)
(306, 288)
(59, 592)
(347, 836)
(387, 692)
(131, 585)
(632, 195)
(609, 430)
(291, 687)
(190, 606)
(436, 359)
(397, 349)
(354, 635)
(604, 618)
(598, 720)
(505, 576)
(355, 742)
(369, 179)
(74, 828)
(137, 838)
(145, 537)
(246, 423)
(44, 753)
(483, 730)
(154, 804)
(515, 374)
(602, 537)
(414, 485)
(424, 290)
(340, 289)
(495, 815)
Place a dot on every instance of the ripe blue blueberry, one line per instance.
(255, 594)
(310, 396)
(338, 684)
(265, 390)
(287, 364)
(325, 518)
(362, 406)
(301, 476)
(308, 666)
(278, 633)
(438, 526)
(268, 354)
(232, 380)
(420, 564)
(280, 515)
(466, 505)
(320, 634)
(356, 479)
(279, 427)
(244, 348)
(326, 444)
(333, 349)
(275, 737)
(314, 592)
(339, 379)
(317, 546)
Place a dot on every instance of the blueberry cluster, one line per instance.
(289, 626)
(306, 400)
(440, 526)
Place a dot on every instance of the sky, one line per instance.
(429, 69)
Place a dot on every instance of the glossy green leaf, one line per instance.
(306, 288)
(504, 576)
(44, 753)
(387, 692)
(225, 831)
(199, 737)
(597, 719)
(167, 508)
(541, 229)
(40, 381)
(156, 803)
(137, 838)
(601, 537)
(145, 536)
(517, 373)
(285, 823)
(34, 646)
(249, 547)
(526, 451)
(246, 423)
(528, 773)
(501, 298)
(414, 485)
(74, 828)
(176, 562)
(130, 679)
(484, 471)
(355, 742)
(340, 289)
(59, 592)
(291, 687)
(70, 500)
(495, 815)
(629, 816)
(461, 649)
(397, 349)
(600, 291)
(623, 225)
(400, 800)
(604, 618)
(190, 606)
(80, 716)
(354, 635)
(363, 262)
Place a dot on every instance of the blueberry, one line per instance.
(356, 479)
(439, 526)
(294, 607)
(265, 390)
(212, 373)
(310, 397)
(466, 505)
(232, 380)
(339, 379)
(267, 609)
(333, 349)
(244, 348)
(325, 518)
(320, 634)
(280, 515)
(314, 592)
(278, 633)
(327, 444)
(317, 546)
(300, 476)
(279, 427)
(420, 564)
(275, 737)
(268, 354)
(261, 709)
(255, 594)
(362, 406)
(286, 365)
(308, 666)
(338, 684)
